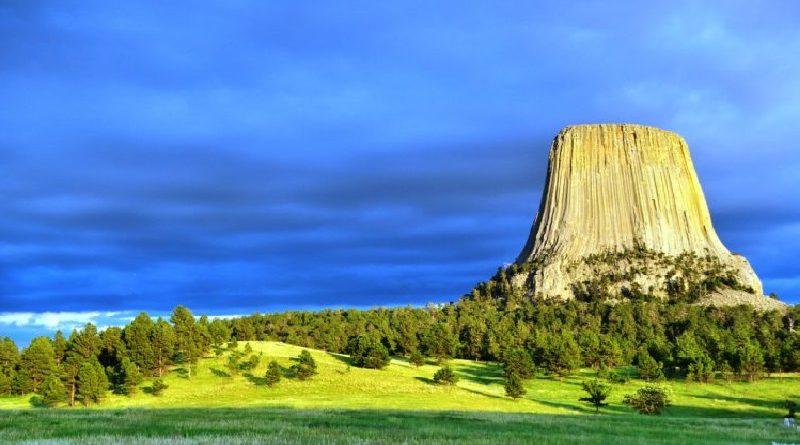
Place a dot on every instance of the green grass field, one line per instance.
(345, 404)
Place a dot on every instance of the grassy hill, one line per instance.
(405, 399)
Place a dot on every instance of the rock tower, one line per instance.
(623, 212)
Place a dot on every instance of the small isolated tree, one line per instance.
(649, 400)
(368, 352)
(445, 376)
(598, 393)
(649, 368)
(416, 359)
(305, 367)
(92, 382)
(53, 391)
(513, 385)
(251, 363)
(248, 349)
(273, 375)
(232, 364)
(158, 387)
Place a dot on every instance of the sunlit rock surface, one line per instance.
(618, 188)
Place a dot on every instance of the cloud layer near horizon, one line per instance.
(264, 156)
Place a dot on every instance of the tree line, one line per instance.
(495, 322)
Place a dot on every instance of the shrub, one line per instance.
(158, 387)
(248, 349)
(598, 393)
(416, 359)
(273, 375)
(649, 400)
(445, 376)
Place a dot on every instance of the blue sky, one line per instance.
(258, 156)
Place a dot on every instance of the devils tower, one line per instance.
(623, 214)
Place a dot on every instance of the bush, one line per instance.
(416, 359)
(649, 400)
(158, 387)
(445, 376)
(598, 393)
(367, 352)
(305, 367)
(273, 375)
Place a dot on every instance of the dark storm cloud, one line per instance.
(260, 156)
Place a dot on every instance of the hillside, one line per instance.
(405, 387)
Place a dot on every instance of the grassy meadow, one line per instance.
(344, 404)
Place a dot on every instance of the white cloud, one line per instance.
(54, 320)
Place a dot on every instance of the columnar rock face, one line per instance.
(618, 188)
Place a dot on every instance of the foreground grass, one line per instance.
(399, 404)
(289, 426)
(402, 386)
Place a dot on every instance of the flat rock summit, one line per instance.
(623, 215)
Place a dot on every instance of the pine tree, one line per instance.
(445, 376)
(9, 357)
(367, 352)
(163, 343)
(514, 385)
(441, 342)
(38, 361)
(60, 345)
(53, 391)
(129, 377)
(273, 375)
(187, 343)
(517, 361)
(138, 337)
(92, 382)
(233, 363)
(158, 387)
(562, 354)
(305, 367)
(598, 393)
(649, 368)
(416, 359)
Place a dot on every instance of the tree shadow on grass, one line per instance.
(258, 381)
(744, 400)
(586, 408)
(485, 375)
(219, 372)
(481, 393)
(427, 380)
(340, 357)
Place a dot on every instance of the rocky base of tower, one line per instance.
(641, 274)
